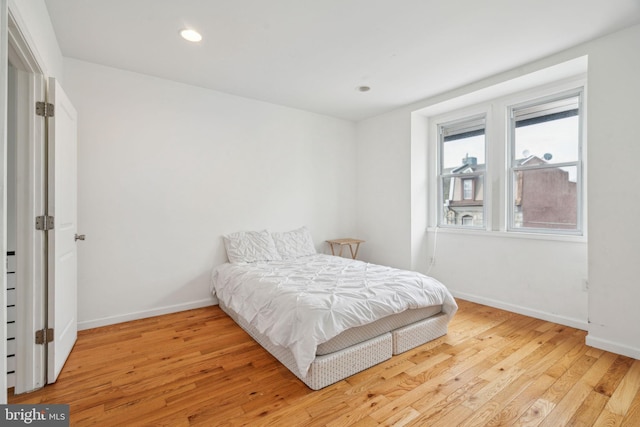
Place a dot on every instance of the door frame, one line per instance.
(4, 71)
(31, 190)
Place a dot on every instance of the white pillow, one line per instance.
(294, 243)
(250, 246)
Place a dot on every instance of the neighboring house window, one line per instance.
(461, 170)
(545, 165)
(467, 189)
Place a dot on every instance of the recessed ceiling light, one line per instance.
(364, 88)
(191, 35)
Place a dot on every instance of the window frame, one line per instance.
(512, 169)
(452, 122)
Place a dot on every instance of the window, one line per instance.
(461, 172)
(467, 189)
(545, 165)
(512, 163)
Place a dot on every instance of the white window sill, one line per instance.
(510, 234)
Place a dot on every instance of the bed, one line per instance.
(325, 317)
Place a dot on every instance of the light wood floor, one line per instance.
(198, 368)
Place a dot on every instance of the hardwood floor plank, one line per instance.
(559, 389)
(454, 417)
(632, 417)
(525, 347)
(522, 402)
(609, 382)
(401, 418)
(567, 406)
(512, 385)
(608, 419)
(589, 409)
(626, 391)
(564, 345)
(599, 369)
(359, 412)
(198, 368)
(440, 408)
(495, 386)
(562, 365)
(536, 413)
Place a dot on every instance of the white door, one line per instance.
(62, 250)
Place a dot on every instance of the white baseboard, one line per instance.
(613, 347)
(111, 320)
(526, 311)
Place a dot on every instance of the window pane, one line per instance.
(460, 151)
(462, 167)
(554, 141)
(546, 198)
(458, 210)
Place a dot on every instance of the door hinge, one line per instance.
(44, 222)
(44, 336)
(44, 109)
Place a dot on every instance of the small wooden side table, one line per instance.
(346, 242)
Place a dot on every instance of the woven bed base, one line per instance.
(419, 333)
(334, 367)
(331, 368)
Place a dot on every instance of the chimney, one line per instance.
(470, 161)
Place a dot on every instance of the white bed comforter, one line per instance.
(301, 303)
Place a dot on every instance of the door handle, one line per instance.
(79, 237)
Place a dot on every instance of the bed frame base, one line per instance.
(418, 333)
(331, 368)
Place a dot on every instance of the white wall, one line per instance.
(539, 278)
(384, 182)
(165, 169)
(542, 278)
(614, 150)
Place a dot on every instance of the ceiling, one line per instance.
(315, 54)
